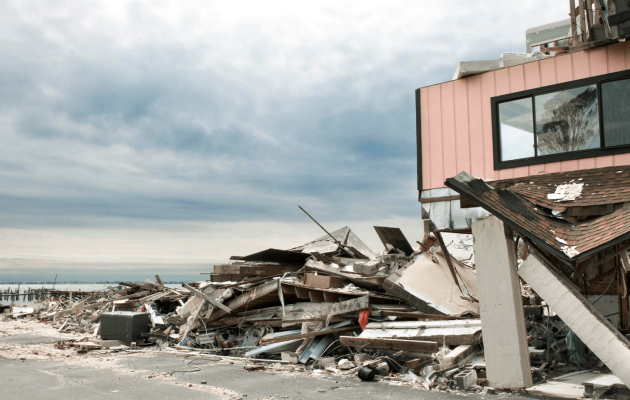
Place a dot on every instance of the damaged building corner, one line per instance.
(545, 193)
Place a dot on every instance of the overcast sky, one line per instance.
(138, 136)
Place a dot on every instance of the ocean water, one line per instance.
(61, 286)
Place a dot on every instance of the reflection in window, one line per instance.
(517, 129)
(567, 121)
(616, 115)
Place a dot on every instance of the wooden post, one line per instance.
(596, 13)
(589, 17)
(573, 23)
(582, 20)
(447, 257)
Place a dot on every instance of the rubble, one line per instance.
(331, 306)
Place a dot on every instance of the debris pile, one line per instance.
(331, 306)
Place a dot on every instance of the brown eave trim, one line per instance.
(438, 199)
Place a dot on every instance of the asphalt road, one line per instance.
(54, 380)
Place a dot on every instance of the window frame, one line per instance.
(550, 158)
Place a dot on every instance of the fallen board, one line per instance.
(395, 238)
(308, 335)
(255, 270)
(390, 344)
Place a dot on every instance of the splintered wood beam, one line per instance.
(447, 256)
(589, 16)
(419, 315)
(255, 293)
(573, 23)
(207, 298)
(264, 342)
(582, 18)
(602, 276)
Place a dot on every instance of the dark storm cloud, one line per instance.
(156, 128)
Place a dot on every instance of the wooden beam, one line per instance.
(395, 238)
(209, 299)
(390, 344)
(597, 13)
(447, 256)
(419, 315)
(589, 16)
(602, 276)
(255, 270)
(582, 20)
(264, 342)
(255, 294)
(76, 309)
(557, 49)
(613, 255)
(438, 199)
(573, 23)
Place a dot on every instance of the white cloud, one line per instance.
(166, 112)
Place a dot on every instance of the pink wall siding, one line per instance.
(456, 118)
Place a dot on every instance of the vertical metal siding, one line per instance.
(456, 120)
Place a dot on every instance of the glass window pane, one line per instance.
(567, 121)
(616, 110)
(516, 129)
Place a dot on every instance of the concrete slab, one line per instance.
(603, 339)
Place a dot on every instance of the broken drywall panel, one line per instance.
(428, 279)
(601, 337)
(501, 307)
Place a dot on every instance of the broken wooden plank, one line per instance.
(330, 270)
(395, 238)
(308, 335)
(207, 298)
(322, 281)
(447, 256)
(227, 277)
(458, 354)
(76, 309)
(419, 315)
(255, 270)
(255, 293)
(275, 255)
(390, 344)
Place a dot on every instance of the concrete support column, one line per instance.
(502, 315)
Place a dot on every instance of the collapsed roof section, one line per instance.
(571, 215)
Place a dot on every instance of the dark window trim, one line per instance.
(419, 142)
(576, 155)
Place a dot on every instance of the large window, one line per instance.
(579, 119)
